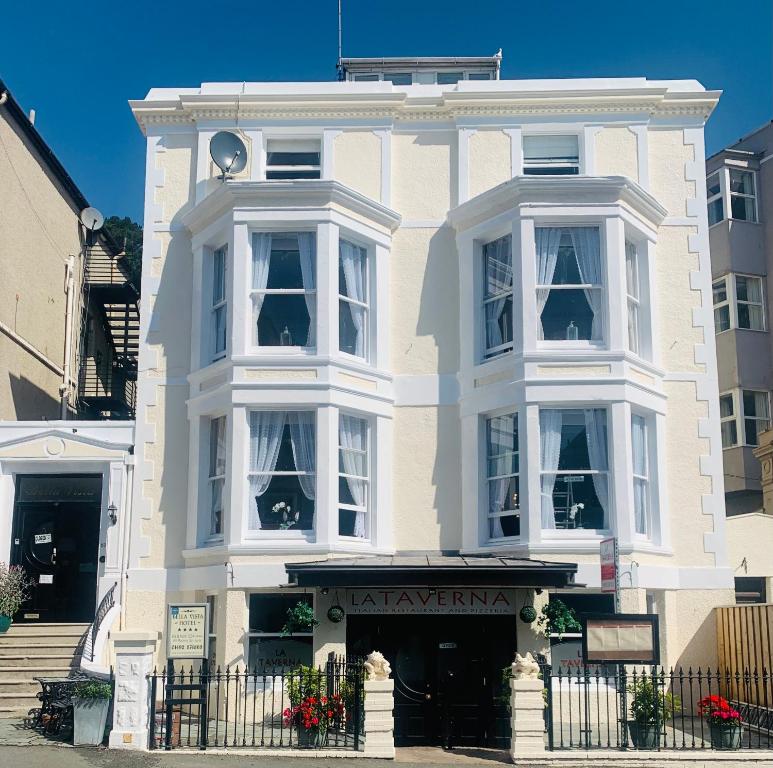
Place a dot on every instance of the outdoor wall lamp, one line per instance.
(112, 513)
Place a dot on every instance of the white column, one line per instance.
(195, 454)
(328, 153)
(203, 163)
(661, 529)
(474, 506)
(380, 306)
(379, 718)
(524, 282)
(528, 720)
(133, 662)
(613, 246)
(530, 482)
(199, 340)
(621, 470)
(516, 151)
(386, 165)
(326, 503)
(237, 501)
(327, 289)
(257, 158)
(463, 164)
(382, 525)
(239, 305)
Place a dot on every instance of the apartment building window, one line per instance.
(282, 470)
(219, 309)
(732, 190)
(353, 294)
(633, 291)
(749, 590)
(756, 415)
(714, 198)
(549, 155)
(269, 650)
(399, 78)
(216, 474)
(738, 303)
(574, 469)
(504, 507)
(728, 423)
(641, 474)
(353, 477)
(570, 291)
(293, 159)
(498, 296)
(284, 296)
(449, 78)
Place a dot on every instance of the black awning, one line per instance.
(432, 570)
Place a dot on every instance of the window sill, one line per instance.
(572, 345)
(292, 351)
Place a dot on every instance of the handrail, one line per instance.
(107, 602)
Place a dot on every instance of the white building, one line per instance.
(463, 327)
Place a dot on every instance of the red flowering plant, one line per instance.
(718, 711)
(314, 713)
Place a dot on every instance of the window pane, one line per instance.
(217, 446)
(479, 76)
(755, 403)
(353, 462)
(742, 208)
(220, 329)
(292, 158)
(551, 148)
(399, 78)
(712, 185)
(499, 322)
(568, 315)
(347, 521)
(725, 405)
(365, 78)
(497, 258)
(719, 288)
(576, 502)
(284, 321)
(716, 211)
(218, 276)
(216, 507)
(502, 445)
(297, 514)
(448, 78)
(722, 319)
(641, 505)
(729, 434)
(285, 267)
(631, 270)
(287, 175)
(633, 327)
(352, 328)
(742, 182)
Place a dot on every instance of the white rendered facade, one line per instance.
(421, 178)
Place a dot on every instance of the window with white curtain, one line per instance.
(738, 303)
(504, 506)
(570, 284)
(551, 155)
(633, 291)
(727, 420)
(282, 470)
(497, 310)
(293, 159)
(574, 476)
(219, 308)
(756, 415)
(641, 474)
(353, 299)
(283, 293)
(353, 477)
(216, 474)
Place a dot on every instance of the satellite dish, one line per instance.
(228, 152)
(92, 219)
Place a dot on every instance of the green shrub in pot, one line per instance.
(91, 704)
(15, 588)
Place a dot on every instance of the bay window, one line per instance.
(570, 290)
(284, 289)
(738, 303)
(756, 415)
(216, 475)
(743, 205)
(498, 296)
(353, 477)
(641, 474)
(219, 306)
(353, 296)
(574, 483)
(502, 476)
(731, 192)
(282, 470)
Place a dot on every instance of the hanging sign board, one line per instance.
(474, 601)
(620, 638)
(609, 565)
(187, 631)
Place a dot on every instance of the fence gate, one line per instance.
(318, 708)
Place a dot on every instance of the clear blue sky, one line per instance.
(77, 63)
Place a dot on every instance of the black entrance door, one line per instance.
(56, 541)
(449, 688)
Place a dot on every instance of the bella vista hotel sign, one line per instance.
(406, 600)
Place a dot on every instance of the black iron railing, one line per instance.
(105, 604)
(195, 707)
(653, 708)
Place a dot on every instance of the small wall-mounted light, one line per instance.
(112, 513)
(324, 590)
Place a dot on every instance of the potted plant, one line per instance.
(649, 710)
(557, 619)
(725, 722)
(14, 590)
(91, 702)
(300, 618)
(310, 711)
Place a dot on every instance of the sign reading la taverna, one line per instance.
(409, 600)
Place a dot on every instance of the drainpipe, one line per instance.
(64, 389)
(126, 521)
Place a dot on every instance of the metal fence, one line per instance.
(308, 708)
(656, 709)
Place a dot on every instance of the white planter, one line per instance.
(89, 720)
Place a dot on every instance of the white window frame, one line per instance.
(717, 196)
(727, 195)
(282, 292)
(644, 479)
(633, 299)
(732, 301)
(365, 305)
(492, 353)
(366, 480)
(214, 477)
(219, 304)
(732, 394)
(744, 195)
(578, 135)
(489, 478)
(290, 138)
(744, 418)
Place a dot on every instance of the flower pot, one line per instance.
(89, 720)
(310, 738)
(644, 735)
(5, 624)
(725, 736)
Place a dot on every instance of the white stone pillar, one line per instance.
(379, 707)
(134, 653)
(527, 708)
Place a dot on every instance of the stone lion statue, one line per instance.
(525, 667)
(377, 667)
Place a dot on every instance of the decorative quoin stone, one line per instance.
(379, 708)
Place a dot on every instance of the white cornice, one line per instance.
(297, 194)
(558, 190)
